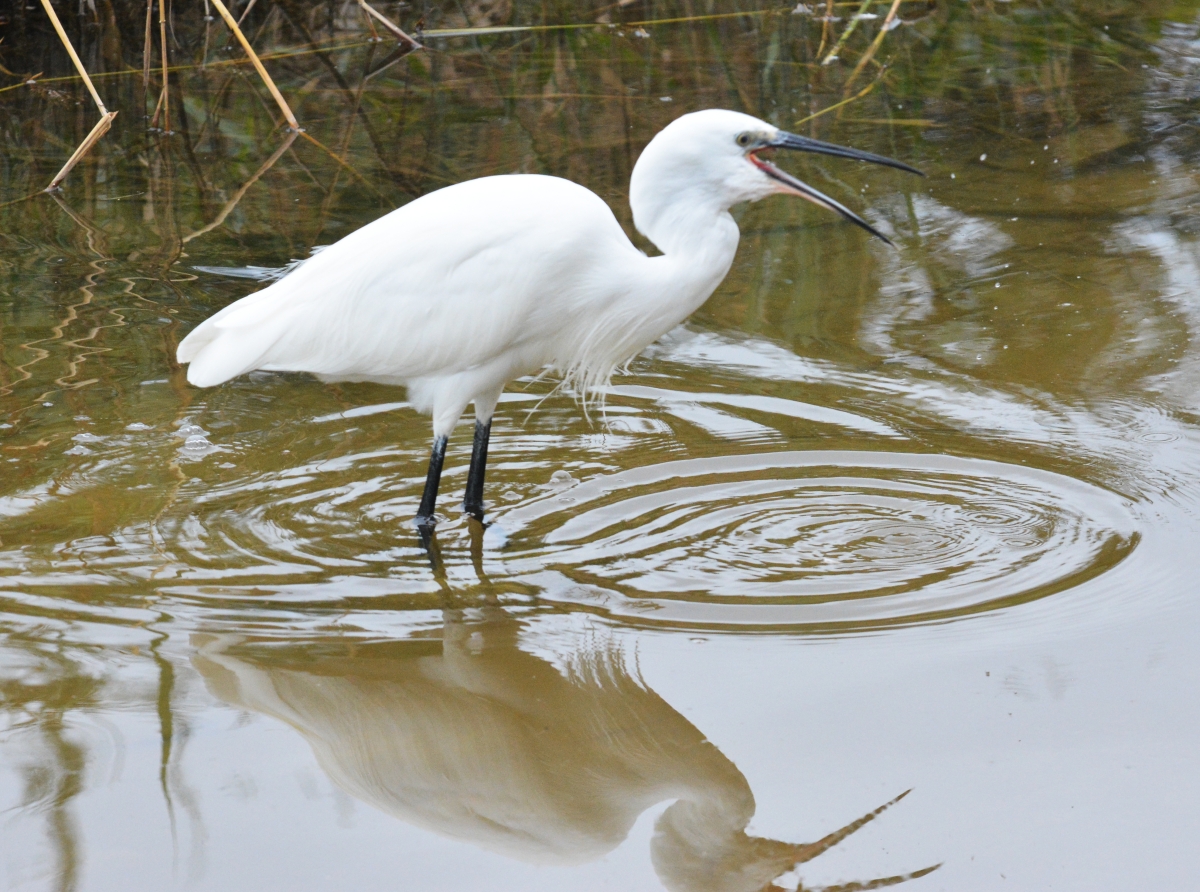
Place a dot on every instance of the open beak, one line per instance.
(796, 187)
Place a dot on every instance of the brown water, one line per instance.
(873, 521)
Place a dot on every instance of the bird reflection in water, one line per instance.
(470, 735)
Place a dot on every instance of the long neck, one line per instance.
(675, 204)
(698, 239)
(687, 219)
(696, 234)
(697, 256)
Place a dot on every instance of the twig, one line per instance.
(157, 109)
(854, 20)
(207, 34)
(388, 23)
(246, 11)
(258, 66)
(825, 24)
(894, 122)
(106, 117)
(146, 50)
(237, 196)
(875, 44)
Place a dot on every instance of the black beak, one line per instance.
(804, 144)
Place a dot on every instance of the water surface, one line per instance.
(885, 560)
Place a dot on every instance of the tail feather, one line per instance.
(199, 338)
(229, 354)
(232, 342)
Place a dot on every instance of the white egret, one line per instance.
(462, 290)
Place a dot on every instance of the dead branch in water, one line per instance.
(106, 117)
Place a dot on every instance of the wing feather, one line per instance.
(448, 282)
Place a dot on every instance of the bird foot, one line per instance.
(425, 524)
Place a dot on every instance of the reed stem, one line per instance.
(62, 35)
(258, 66)
(146, 50)
(859, 95)
(166, 96)
(246, 12)
(875, 44)
(106, 117)
(850, 27)
(388, 23)
(826, 22)
(90, 140)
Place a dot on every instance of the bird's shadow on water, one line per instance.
(475, 732)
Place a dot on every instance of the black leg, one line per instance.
(473, 501)
(429, 499)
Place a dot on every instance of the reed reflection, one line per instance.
(472, 735)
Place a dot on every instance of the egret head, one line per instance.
(717, 158)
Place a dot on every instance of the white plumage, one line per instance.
(462, 290)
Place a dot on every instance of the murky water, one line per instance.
(873, 521)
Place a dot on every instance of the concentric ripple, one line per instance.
(829, 538)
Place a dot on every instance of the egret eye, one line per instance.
(744, 139)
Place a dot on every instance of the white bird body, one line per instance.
(464, 289)
(441, 296)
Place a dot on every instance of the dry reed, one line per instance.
(388, 23)
(258, 65)
(106, 117)
(875, 44)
